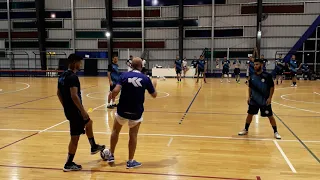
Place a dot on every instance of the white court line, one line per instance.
(296, 108)
(283, 97)
(170, 141)
(28, 86)
(285, 157)
(172, 135)
(316, 93)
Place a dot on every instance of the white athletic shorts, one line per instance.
(131, 123)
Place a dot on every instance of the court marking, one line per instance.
(174, 135)
(129, 172)
(296, 108)
(41, 131)
(308, 102)
(8, 92)
(170, 141)
(194, 98)
(301, 142)
(46, 97)
(285, 156)
(316, 93)
(88, 95)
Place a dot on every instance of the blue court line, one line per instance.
(305, 146)
(194, 98)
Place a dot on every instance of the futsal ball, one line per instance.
(104, 154)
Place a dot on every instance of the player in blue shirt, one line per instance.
(201, 68)
(130, 108)
(225, 69)
(69, 93)
(261, 89)
(237, 65)
(279, 68)
(265, 62)
(250, 68)
(178, 67)
(305, 70)
(113, 76)
(293, 66)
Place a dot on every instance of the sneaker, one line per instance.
(114, 105)
(229, 82)
(243, 132)
(110, 107)
(292, 85)
(133, 164)
(97, 149)
(110, 158)
(277, 135)
(295, 85)
(72, 167)
(221, 81)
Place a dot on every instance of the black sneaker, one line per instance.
(97, 149)
(72, 167)
(110, 107)
(114, 105)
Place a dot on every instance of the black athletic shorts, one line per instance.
(200, 71)
(279, 72)
(225, 71)
(265, 111)
(293, 74)
(112, 87)
(178, 71)
(76, 122)
(237, 71)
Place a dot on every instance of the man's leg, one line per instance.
(251, 112)
(204, 77)
(294, 79)
(114, 138)
(267, 112)
(95, 148)
(110, 98)
(133, 133)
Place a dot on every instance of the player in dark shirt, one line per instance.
(237, 64)
(250, 68)
(178, 67)
(194, 64)
(261, 89)
(305, 71)
(130, 109)
(225, 69)
(279, 69)
(294, 66)
(69, 93)
(113, 76)
(128, 63)
(201, 68)
(265, 62)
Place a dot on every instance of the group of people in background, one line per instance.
(199, 64)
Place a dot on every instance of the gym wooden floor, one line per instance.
(35, 134)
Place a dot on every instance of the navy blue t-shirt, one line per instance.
(201, 64)
(178, 64)
(134, 84)
(114, 72)
(305, 67)
(279, 65)
(251, 67)
(293, 64)
(226, 64)
(260, 86)
(67, 80)
(265, 63)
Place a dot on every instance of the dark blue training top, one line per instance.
(260, 86)
(178, 64)
(293, 64)
(114, 72)
(201, 64)
(251, 67)
(134, 84)
(279, 65)
(305, 67)
(226, 64)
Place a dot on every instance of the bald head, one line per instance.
(137, 63)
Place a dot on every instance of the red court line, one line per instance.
(127, 172)
(19, 140)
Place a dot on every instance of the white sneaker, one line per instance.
(296, 85)
(292, 85)
(277, 135)
(221, 81)
(243, 132)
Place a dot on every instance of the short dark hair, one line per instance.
(73, 58)
(258, 60)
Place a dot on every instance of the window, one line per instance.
(32, 24)
(59, 14)
(101, 34)
(217, 33)
(23, 44)
(83, 54)
(173, 2)
(22, 5)
(309, 57)
(239, 54)
(135, 13)
(309, 45)
(157, 23)
(58, 44)
(274, 9)
(23, 15)
(54, 24)
(123, 24)
(3, 15)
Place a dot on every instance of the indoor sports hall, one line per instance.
(190, 131)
